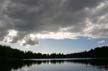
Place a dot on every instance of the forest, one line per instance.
(7, 52)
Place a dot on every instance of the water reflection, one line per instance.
(19, 65)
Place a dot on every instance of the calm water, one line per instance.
(55, 65)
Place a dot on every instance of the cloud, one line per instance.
(101, 42)
(52, 19)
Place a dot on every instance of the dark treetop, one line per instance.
(8, 53)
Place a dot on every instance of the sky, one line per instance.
(54, 26)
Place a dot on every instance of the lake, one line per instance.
(75, 64)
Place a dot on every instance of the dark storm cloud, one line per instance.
(37, 16)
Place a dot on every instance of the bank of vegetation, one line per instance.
(7, 52)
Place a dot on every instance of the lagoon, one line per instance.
(74, 64)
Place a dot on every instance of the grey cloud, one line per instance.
(36, 16)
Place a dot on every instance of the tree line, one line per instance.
(7, 52)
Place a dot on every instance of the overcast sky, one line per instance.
(50, 25)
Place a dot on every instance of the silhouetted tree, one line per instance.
(8, 53)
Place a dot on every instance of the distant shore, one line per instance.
(7, 52)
